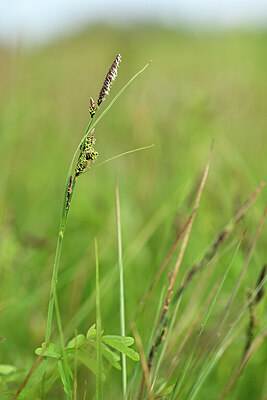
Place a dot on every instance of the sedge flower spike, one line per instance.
(88, 154)
(110, 78)
(92, 108)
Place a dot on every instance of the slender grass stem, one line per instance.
(99, 389)
(59, 323)
(75, 369)
(62, 342)
(120, 263)
(53, 285)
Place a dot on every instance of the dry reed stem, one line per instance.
(240, 214)
(35, 365)
(192, 217)
(85, 390)
(161, 269)
(142, 359)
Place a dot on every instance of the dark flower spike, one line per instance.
(92, 108)
(111, 76)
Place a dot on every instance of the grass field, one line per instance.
(199, 87)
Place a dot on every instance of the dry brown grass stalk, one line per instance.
(35, 365)
(142, 359)
(210, 254)
(161, 269)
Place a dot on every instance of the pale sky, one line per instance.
(40, 20)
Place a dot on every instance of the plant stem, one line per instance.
(53, 285)
(122, 312)
(98, 330)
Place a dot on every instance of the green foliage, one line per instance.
(76, 342)
(199, 87)
(85, 347)
(48, 350)
(122, 345)
(7, 369)
(66, 377)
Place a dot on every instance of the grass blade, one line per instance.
(124, 154)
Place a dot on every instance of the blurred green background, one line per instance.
(199, 87)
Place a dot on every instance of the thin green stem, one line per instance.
(120, 263)
(99, 392)
(62, 342)
(75, 369)
(54, 284)
(59, 324)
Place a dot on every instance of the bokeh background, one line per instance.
(207, 81)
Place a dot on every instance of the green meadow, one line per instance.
(200, 88)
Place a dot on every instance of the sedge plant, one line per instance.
(84, 157)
